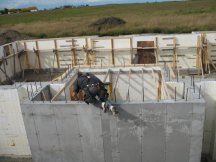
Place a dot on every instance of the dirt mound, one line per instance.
(107, 22)
(10, 36)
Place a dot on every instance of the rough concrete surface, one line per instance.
(147, 132)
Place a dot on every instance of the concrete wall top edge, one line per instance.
(122, 69)
(115, 37)
(201, 101)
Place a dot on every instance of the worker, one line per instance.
(94, 91)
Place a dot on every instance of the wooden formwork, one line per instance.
(204, 63)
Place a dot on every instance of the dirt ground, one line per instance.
(107, 22)
(10, 36)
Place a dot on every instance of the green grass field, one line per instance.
(165, 17)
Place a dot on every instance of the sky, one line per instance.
(42, 4)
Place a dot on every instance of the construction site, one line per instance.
(163, 85)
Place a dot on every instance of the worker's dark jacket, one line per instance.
(92, 86)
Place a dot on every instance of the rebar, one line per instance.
(186, 95)
(65, 96)
(183, 90)
(200, 92)
(28, 93)
(143, 90)
(31, 90)
(193, 84)
(114, 95)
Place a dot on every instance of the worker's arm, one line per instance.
(75, 90)
(75, 96)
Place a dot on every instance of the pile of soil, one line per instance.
(107, 22)
(11, 36)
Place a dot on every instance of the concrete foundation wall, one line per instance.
(13, 138)
(147, 132)
(209, 94)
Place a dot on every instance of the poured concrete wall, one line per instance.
(209, 94)
(176, 89)
(13, 138)
(147, 132)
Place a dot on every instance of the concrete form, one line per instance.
(162, 113)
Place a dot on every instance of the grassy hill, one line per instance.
(165, 17)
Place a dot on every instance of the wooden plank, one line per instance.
(38, 54)
(87, 53)
(107, 74)
(172, 74)
(4, 71)
(66, 84)
(112, 52)
(26, 55)
(131, 50)
(74, 53)
(159, 85)
(14, 61)
(56, 53)
(156, 50)
(146, 56)
(174, 53)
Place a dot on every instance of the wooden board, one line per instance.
(146, 56)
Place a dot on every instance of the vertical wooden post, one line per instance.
(205, 52)
(174, 52)
(197, 51)
(17, 47)
(38, 54)
(156, 50)
(198, 54)
(73, 52)
(26, 56)
(159, 85)
(87, 46)
(131, 50)
(5, 70)
(56, 53)
(14, 59)
(112, 51)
